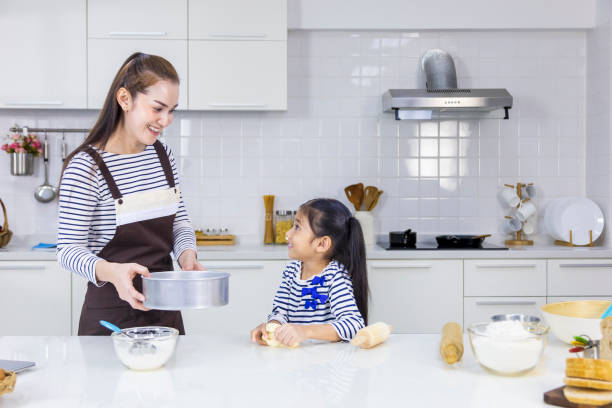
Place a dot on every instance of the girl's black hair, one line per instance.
(330, 217)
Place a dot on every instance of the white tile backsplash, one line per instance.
(438, 176)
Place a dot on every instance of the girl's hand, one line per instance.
(258, 333)
(122, 276)
(291, 334)
(189, 261)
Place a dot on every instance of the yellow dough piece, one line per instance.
(372, 335)
(269, 339)
(451, 345)
(594, 369)
(587, 396)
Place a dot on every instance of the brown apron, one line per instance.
(146, 242)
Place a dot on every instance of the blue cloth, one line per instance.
(42, 245)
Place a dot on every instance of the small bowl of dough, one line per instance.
(574, 318)
(145, 348)
(508, 347)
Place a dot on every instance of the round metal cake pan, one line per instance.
(179, 290)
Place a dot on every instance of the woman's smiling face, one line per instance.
(152, 111)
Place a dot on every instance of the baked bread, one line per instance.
(605, 344)
(587, 383)
(269, 338)
(587, 396)
(594, 369)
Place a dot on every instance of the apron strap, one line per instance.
(165, 162)
(112, 186)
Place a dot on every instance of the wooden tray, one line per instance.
(207, 240)
(556, 397)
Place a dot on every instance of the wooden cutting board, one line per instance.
(556, 397)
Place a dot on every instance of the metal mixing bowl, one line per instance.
(185, 290)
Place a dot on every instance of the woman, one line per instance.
(120, 211)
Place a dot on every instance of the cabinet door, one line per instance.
(34, 298)
(106, 56)
(238, 19)
(134, 19)
(416, 296)
(44, 49)
(252, 286)
(580, 277)
(480, 309)
(238, 75)
(505, 277)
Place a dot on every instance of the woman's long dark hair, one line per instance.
(136, 74)
(330, 217)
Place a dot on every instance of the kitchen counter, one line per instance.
(226, 371)
(19, 249)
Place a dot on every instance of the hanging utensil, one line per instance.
(354, 193)
(45, 192)
(64, 150)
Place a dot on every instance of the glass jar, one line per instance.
(283, 224)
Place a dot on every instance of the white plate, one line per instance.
(580, 215)
(549, 219)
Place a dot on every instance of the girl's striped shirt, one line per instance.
(87, 219)
(333, 297)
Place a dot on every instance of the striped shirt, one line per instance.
(293, 302)
(87, 220)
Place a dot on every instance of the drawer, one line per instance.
(480, 309)
(503, 277)
(580, 277)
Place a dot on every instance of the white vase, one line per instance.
(366, 219)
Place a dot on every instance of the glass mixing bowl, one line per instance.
(145, 348)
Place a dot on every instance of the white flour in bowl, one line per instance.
(507, 347)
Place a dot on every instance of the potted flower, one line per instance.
(22, 148)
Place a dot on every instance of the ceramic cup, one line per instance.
(528, 191)
(512, 225)
(529, 225)
(525, 211)
(509, 197)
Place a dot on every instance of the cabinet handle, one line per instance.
(22, 267)
(235, 35)
(586, 265)
(28, 103)
(396, 266)
(504, 302)
(234, 266)
(138, 33)
(506, 266)
(238, 105)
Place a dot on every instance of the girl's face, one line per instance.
(149, 113)
(301, 241)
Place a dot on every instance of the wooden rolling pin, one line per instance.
(371, 335)
(451, 346)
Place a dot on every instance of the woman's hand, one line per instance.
(291, 334)
(189, 261)
(258, 333)
(121, 276)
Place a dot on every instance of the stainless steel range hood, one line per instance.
(419, 103)
(441, 97)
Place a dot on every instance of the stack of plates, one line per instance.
(578, 214)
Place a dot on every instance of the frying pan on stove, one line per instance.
(461, 241)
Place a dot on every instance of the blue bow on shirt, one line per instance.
(318, 280)
(311, 303)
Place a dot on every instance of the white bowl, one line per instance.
(574, 318)
(148, 348)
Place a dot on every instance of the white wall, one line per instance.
(437, 176)
(441, 14)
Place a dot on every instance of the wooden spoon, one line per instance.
(354, 193)
(378, 193)
(370, 196)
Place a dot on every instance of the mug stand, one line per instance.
(519, 234)
(571, 243)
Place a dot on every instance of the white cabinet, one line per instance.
(416, 296)
(44, 48)
(105, 56)
(238, 19)
(580, 277)
(480, 309)
(160, 19)
(34, 299)
(237, 75)
(252, 286)
(505, 277)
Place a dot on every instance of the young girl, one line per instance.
(324, 292)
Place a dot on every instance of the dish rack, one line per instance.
(571, 243)
(519, 240)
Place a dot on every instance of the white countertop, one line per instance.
(19, 249)
(226, 371)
